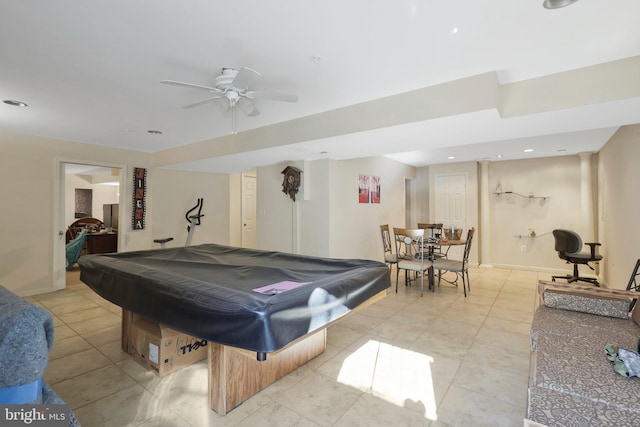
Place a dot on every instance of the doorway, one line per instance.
(451, 206)
(104, 183)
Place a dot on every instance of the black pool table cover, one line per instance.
(209, 291)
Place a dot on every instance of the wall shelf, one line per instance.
(531, 196)
(529, 236)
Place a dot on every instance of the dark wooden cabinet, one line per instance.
(102, 243)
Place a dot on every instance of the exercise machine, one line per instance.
(192, 219)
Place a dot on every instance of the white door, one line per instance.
(451, 206)
(248, 211)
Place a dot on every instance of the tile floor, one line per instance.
(439, 360)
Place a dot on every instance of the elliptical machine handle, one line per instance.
(198, 215)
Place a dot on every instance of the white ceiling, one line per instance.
(90, 72)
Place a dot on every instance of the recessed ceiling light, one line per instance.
(499, 156)
(15, 103)
(155, 132)
(451, 157)
(528, 150)
(454, 31)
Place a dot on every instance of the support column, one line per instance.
(484, 254)
(586, 197)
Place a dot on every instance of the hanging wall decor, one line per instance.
(363, 188)
(368, 189)
(291, 182)
(374, 190)
(139, 195)
(84, 201)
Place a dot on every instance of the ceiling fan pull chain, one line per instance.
(233, 119)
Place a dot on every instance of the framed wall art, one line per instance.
(139, 196)
(368, 189)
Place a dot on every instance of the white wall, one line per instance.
(176, 192)
(557, 178)
(354, 227)
(619, 204)
(422, 190)
(235, 209)
(329, 221)
(29, 226)
(510, 215)
(274, 220)
(313, 209)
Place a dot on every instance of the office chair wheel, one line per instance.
(553, 279)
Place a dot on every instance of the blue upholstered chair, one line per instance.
(26, 337)
(74, 248)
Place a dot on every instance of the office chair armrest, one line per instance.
(593, 248)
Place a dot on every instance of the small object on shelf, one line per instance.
(530, 196)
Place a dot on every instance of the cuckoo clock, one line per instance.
(291, 182)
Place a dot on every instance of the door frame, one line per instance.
(253, 175)
(58, 252)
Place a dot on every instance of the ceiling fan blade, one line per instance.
(203, 101)
(223, 105)
(176, 83)
(286, 97)
(244, 78)
(248, 108)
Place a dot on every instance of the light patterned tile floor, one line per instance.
(437, 360)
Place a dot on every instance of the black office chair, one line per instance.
(568, 245)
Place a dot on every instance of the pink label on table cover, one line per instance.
(277, 288)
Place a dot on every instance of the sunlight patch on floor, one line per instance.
(397, 375)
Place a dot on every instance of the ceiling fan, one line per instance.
(232, 91)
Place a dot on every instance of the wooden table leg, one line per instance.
(432, 286)
(235, 374)
(127, 320)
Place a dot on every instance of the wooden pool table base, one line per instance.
(235, 374)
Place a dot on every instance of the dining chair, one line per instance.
(409, 242)
(434, 232)
(390, 256)
(461, 268)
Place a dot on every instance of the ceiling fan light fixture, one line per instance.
(557, 4)
(232, 90)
